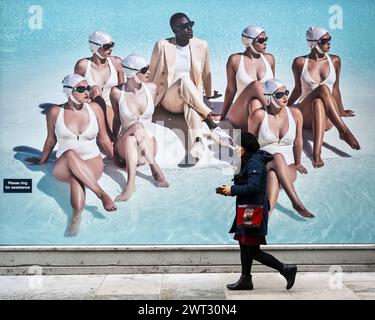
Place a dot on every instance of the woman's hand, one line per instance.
(301, 168)
(226, 190)
(33, 160)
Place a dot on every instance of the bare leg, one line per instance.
(128, 152)
(77, 198)
(109, 113)
(241, 109)
(253, 105)
(283, 175)
(331, 109)
(273, 189)
(86, 172)
(133, 141)
(319, 125)
(146, 146)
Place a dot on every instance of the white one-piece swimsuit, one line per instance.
(85, 143)
(272, 144)
(243, 79)
(308, 84)
(128, 118)
(112, 81)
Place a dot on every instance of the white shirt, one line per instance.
(183, 63)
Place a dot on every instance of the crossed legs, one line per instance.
(80, 174)
(320, 113)
(250, 99)
(184, 97)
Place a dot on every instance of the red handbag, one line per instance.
(249, 216)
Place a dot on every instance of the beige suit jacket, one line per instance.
(163, 64)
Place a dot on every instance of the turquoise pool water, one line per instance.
(33, 62)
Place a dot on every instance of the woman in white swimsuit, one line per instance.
(102, 71)
(246, 73)
(317, 92)
(133, 105)
(76, 126)
(279, 132)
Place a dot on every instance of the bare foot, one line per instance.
(73, 228)
(303, 211)
(318, 162)
(126, 194)
(350, 139)
(160, 180)
(108, 204)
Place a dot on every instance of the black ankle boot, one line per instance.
(289, 272)
(244, 283)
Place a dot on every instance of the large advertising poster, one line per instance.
(173, 200)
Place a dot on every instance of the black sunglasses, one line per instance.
(279, 95)
(325, 40)
(259, 40)
(80, 89)
(186, 25)
(142, 70)
(106, 46)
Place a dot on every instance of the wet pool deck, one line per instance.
(192, 286)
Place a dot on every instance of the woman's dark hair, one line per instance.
(249, 142)
(251, 145)
(176, 16)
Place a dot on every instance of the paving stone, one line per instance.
(206, 286)
(62, 287)
(130, 286)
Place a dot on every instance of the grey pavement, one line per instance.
(200, 286)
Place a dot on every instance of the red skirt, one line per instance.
(250, 240)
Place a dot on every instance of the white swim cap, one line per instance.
(249, 34)
(313, 34)
(270, 86)
(69, 82)
(132, 64)
(96, 40)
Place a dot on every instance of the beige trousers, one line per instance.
(184, 97)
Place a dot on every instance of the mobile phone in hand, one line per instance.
(220, 190)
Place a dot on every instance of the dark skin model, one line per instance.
(183, 33)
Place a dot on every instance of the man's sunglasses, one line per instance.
(80, 89)
(259, 40)
(106, 46)
(186, 25)
(142, 70)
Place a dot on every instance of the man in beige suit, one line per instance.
(180, 68)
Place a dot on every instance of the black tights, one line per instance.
(248, 253)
